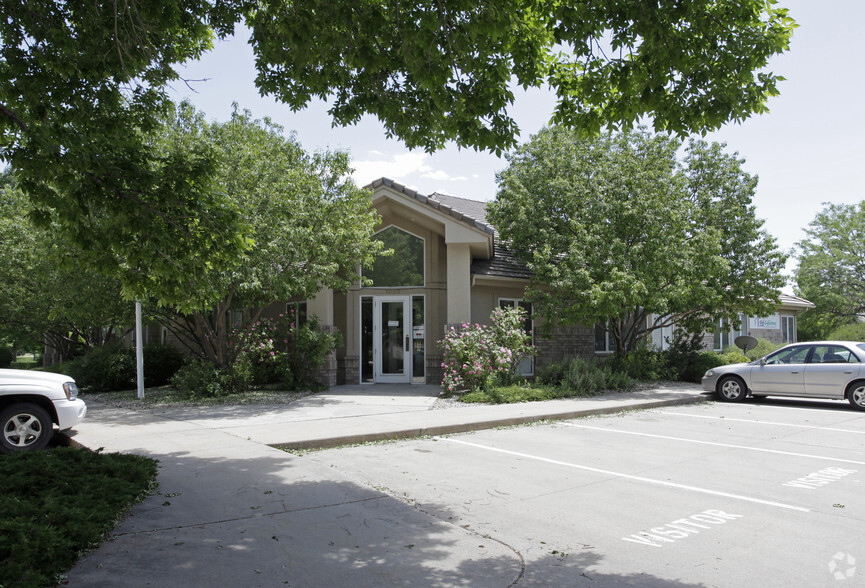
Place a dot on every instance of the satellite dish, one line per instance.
(746, 342)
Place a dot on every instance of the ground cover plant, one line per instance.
(59, 503)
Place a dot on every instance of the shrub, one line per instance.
(109, 367)
(552, 374)
(161, 362)
(587, 377)
(764, 347)
(733, 356)
(278, 351)
(7, 356)
(201, 379)
(854, 332)
(476, 356)
(643, 363)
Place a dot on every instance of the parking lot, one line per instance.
(713, 494)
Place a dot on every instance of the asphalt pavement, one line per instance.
(232, 508)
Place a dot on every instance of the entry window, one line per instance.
(417, 338)
(788, 329)
(404, 267)
(367, 359)
(527, 365)
(721, 336)
(605, 342)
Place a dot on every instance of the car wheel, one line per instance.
(25, 427)
(732, 389)
(856, 395)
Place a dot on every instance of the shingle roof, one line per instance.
(471, 212)
(790, 300)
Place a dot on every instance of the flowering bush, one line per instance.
(279, 351)
(476, 356)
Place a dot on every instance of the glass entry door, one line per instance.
(392, 338)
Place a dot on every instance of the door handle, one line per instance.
(406, 344)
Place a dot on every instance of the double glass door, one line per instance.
(392, 339)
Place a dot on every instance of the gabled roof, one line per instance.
(470, 212)
(502, 264)
(795, 301)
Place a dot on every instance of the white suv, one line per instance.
(32, 403)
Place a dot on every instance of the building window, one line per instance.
(297, 313)
(605, 341)
(526, 367)
(788, 329)
(403, 268)
(721, 336)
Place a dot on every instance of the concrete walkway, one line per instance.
(232, 509)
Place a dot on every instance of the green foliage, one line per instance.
(109, 367)
(280, 351)
(617, 230)
(854, 332)
(512, 394)
(584, 377)
(161, 362)
(7, 356)
(48, 293)
(643, 363)
(57, 504)
(477, 356)
(201, 379)
(440, 71)
(311, 226)
(831, 259)
(764, 347)
(733, 356)
(24, 363)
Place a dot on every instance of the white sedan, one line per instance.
(32, 403)
(819, 369)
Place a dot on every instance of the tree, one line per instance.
(831, 271)
(82, 88)
(617, 231)
(46, 294)
(311, 226)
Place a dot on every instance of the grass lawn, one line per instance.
(59, 503)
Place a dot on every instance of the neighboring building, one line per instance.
(778, 328)
(449, 269)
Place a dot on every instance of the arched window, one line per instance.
(405, 267)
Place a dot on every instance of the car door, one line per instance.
(782, 373)
(829, 370)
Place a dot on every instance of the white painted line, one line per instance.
(627, 476)
(705, 416)
(714, 443)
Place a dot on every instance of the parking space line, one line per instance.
(714, 443)
(705, 416)
(627, 476)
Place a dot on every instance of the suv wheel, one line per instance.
(25, 427)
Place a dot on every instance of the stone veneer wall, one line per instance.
(349, 367)
(327, 373)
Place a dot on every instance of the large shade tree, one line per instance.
(82, 88)
(47, 295)
(310, 226)
(618, 231)
(831, 271)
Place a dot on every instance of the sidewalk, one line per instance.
(232, 509)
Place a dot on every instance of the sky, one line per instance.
(807, 151)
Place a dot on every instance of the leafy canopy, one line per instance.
(831, 271)
(616, 230)
(311, 225)
(82, 90)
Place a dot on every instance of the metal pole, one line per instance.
(139, 350)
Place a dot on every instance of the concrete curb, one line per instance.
(465, 427)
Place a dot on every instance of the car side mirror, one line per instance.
(762, 361)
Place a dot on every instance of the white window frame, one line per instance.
(609, 341)
(788, 328)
